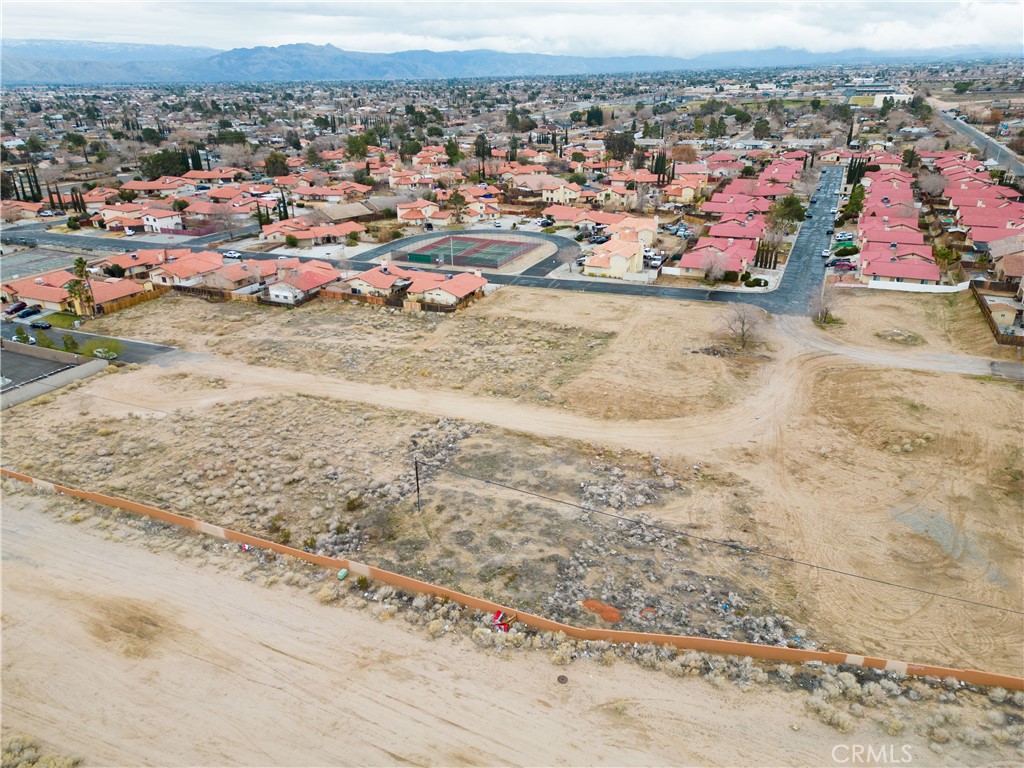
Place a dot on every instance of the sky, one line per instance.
(595, 28)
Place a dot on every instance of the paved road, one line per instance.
(132, 351)
(994, 149)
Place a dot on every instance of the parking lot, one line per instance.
(19, 368)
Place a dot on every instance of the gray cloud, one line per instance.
(591, 28)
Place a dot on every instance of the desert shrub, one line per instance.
(286, 536)
(563, 654)
(745, 276)
(276, 523)
(325, 595)
(309, 542)
(848, 250)
(755, 282)
(730, 276)
(362, 583)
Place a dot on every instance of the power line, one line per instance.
(729, 545)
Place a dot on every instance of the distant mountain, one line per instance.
(83, 50)
(47, 62)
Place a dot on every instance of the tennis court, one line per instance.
(466, 251)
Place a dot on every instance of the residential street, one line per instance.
(993, 148)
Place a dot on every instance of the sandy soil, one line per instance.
(804, 450)
(135, 657)
(841, 447)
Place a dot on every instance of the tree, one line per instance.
(79, 290)
(276, 164)
(962, 86)
(291, 241)
(20, 335)
(824, 307)
(454, 153)
(76, 142)
(713, 265)
(114, 270)
(595, 116)
(684, 153)
(932, 184)
(166, 162)
(762, 129)
(457, 203)
(70, 344)
(742, 321)
(910, 158)
(787, 209)
(44, 341)
(312, 156)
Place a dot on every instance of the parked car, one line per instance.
(826, 252)
(844, 266)
(580, 260)
(547, 223)
(814, 199)
(844, 237)
(47, 214)
(839, 260)
(40, 324)
(598, 239)
(29, 312)
(232, 254)
(830, 230)
(808, 215)
(15, 308)
(834, 210)
(104, 354)
(497, 225)
(428, 226)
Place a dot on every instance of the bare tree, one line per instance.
(742, 321)
(932, 184)
(713, 265)
(824, 307)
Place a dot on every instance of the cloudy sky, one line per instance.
(597, 27)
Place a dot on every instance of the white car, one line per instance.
(233, 254)
(497, 224)
(104, 354)
(825, 253)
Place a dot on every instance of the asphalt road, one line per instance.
(993, 148)
(132, 351)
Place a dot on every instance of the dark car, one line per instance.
(830, 230)
(547, 223)
(840, 260)
(40, 324)
(599, 239)
(29, 312)
(15, 308)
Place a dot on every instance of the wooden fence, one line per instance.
(1001, 338)
(407, 584)
(130, 301)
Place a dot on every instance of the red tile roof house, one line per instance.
(895, 270)
(233, 277)
(138, 264)
(51, 292)
(20, 209)
(187, 270)
(384, 281)
(166, 185)
(296, 285)
(730, 256)
(1007, 255)
(222, 174)
(450, 290)
(307, 233)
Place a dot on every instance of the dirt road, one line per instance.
(132, 657)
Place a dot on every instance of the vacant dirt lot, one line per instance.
(547, 424)
(633, 407)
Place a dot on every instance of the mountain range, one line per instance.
(51, 62)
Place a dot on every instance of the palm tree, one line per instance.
(79, 290)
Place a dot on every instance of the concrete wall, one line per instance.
(709, 645)
(31, 350)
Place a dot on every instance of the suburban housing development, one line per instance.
(687, 383)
